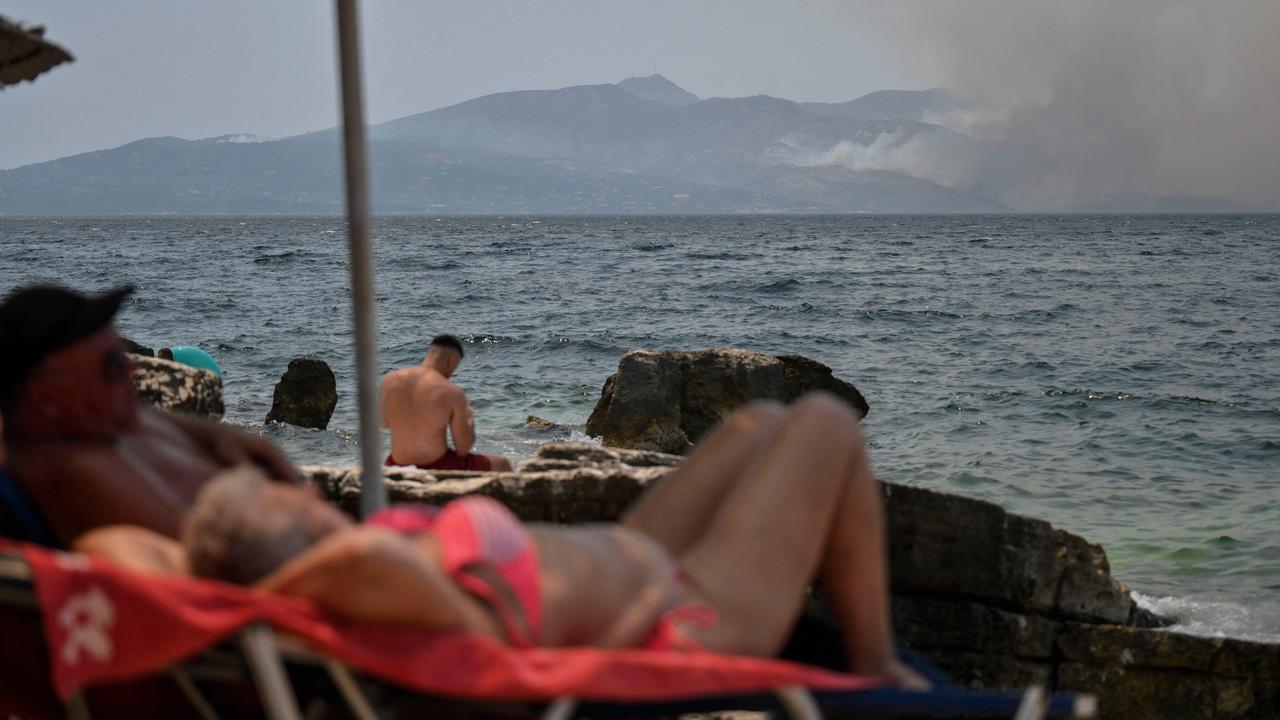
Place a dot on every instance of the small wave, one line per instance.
(446, 265)
(1176, 400)
(1052, 313)
(487, 339)
(652, 247)
(1120, 395)
(284, 257)
(907, 315)
(701, 255)
(1259, 622)
(780, 285)
(588, 343)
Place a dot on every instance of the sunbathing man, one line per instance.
(418, 403)
(718, 556)
(80, 449)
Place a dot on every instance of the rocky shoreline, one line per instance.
(994, 598)
(997, 600)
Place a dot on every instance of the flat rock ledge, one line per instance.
(995, 599)
(176, 387)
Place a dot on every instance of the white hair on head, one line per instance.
(240, 531)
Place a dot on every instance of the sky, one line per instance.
(201, 69)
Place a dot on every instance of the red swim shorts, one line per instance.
(450, 461)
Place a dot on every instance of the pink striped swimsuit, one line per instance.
(476, 531)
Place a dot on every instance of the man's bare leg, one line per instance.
(677, 510)
(807, 506)
(499, 463)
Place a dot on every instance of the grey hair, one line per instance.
(239, 531)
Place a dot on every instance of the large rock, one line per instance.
(1146, 674)
(173, 386)
(305, 395)
(666, 401)
(995, 599)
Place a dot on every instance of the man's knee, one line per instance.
(759, 414)
(499, 463)
(829, 413)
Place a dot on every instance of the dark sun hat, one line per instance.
(35, 321)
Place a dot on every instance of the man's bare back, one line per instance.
(420, 403)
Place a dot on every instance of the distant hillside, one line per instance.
(658, 89)
(922, 105)
(644, 145)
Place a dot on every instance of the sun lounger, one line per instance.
(98, 625)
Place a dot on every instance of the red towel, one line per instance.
(103, 624)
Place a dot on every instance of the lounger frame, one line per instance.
(267, 656)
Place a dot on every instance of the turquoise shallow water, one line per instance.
(1115, 375)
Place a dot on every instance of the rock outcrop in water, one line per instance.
(134, 348)
(181, 388)
(305, 396)
(666, 401)
(995, 599)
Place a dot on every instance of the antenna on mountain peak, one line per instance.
(655, 67)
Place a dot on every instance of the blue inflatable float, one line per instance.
(195, 357)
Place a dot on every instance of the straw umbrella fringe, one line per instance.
(24, 53)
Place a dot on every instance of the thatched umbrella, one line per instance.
(24, 53)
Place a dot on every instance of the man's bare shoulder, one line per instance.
(398, 376)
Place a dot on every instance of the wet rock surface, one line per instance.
(134, 348)
(666, 401)
(176, 387)
(995, 599)
(306, 395)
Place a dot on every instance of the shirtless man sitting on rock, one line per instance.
(419, 403)
(80, 448)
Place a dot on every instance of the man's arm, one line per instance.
(389, 387)
(462, 424)
(134, 548)
(230, 446)
(374, 575)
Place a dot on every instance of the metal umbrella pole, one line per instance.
(373, 493)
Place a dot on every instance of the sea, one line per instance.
(1118, 376)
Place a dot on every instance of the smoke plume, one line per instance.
(1094, 98)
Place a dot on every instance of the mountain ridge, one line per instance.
(643, 145)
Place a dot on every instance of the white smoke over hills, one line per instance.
(932, 156)
(1094, 98)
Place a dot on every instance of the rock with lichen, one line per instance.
(176, 387)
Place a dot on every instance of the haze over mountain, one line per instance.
(643, 145)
